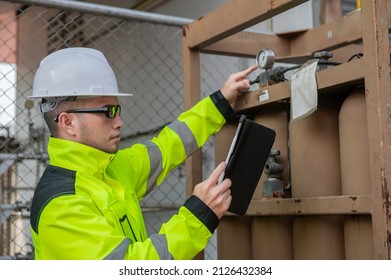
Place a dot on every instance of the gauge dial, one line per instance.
(265, 58)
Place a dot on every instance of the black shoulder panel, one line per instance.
(55, 181)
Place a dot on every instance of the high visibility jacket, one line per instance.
(86, 205)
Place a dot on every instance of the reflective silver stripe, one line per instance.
(160, 243)
(155, 157)
(119, 252)
(187, 137)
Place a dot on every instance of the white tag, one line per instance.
(264, 96)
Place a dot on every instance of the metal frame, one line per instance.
(369, 27)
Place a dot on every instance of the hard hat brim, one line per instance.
(80, 95)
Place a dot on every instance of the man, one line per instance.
(86, 205)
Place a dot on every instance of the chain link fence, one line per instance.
(146, 57)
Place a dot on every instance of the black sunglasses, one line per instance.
(110, 111)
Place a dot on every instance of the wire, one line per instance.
(358, 55)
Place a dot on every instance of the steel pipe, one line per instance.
(104, 10)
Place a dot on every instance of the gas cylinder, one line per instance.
(272, 238)
(314, 151)
(272, 235)
(275, 116)
(355, 176)
(315, 172)
(234, 238)
(353, 131)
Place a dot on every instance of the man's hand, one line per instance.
(236, 83)
(217, 197)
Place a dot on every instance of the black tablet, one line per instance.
(246, 160)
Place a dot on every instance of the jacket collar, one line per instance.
(78, 157)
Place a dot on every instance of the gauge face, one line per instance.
(265, 58)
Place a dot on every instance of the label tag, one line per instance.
(264, 96)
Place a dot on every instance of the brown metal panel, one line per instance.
(250, 100)
(347, 53)
(349, 73)
(232, 18)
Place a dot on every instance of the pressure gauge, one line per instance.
(265, 58)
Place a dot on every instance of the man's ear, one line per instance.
(67, 124)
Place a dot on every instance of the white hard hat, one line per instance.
(74, 72)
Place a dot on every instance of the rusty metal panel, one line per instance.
(377, 90)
